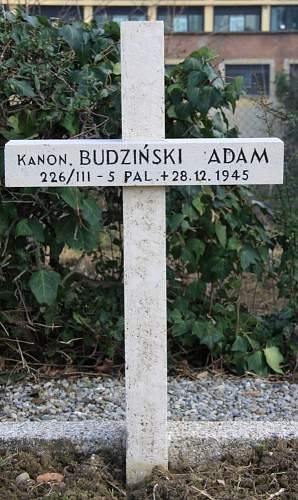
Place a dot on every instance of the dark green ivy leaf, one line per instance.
(21, 87)
(44, 286)
(221, 233)
(30, 227)
(72, 196)
(91, 212)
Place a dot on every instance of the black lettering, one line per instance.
(111, 176)
(96, 159)
(84, 157)
(62, 159)
(227, 153)
(155, 154)
(144, 155)
(241, 156)
(40, 160)
(179, 156)
(259, 157)
(214, 157)
(21, 159)
(169, 155)
(51, 159)
(109, 153)
(31, 161)
(126, 151)
(127, 175)
(137, 177)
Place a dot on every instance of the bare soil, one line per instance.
(267, 472)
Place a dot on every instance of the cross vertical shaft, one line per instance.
(142, 63)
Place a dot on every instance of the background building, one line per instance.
(253, 38)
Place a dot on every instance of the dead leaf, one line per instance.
(50, 477)
(252, 394)
(38, 401)
(106, 366)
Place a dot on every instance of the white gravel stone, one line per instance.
(22, 478)
(209, 399)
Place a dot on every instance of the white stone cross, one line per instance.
(143, 162)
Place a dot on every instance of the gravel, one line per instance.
(22, 478)
(208, 399)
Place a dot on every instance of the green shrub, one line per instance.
(64, 81)
(286, 209)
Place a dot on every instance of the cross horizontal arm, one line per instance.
(40, 163)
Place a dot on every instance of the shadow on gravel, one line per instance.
(268, 471)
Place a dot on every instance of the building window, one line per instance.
(284, 18)
(237, 19)
(181, 19)
(65, 13)
(256, 77)
(294, 71)
(119, 14)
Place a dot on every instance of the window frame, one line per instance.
(287, 65)
(35, 10)
(122, 10)
(275, 7)
(180, 10)
(295, 76)
(234, 10)
(252, 62)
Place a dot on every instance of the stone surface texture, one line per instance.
(142, 81)
(95, 162)
(190, 444)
